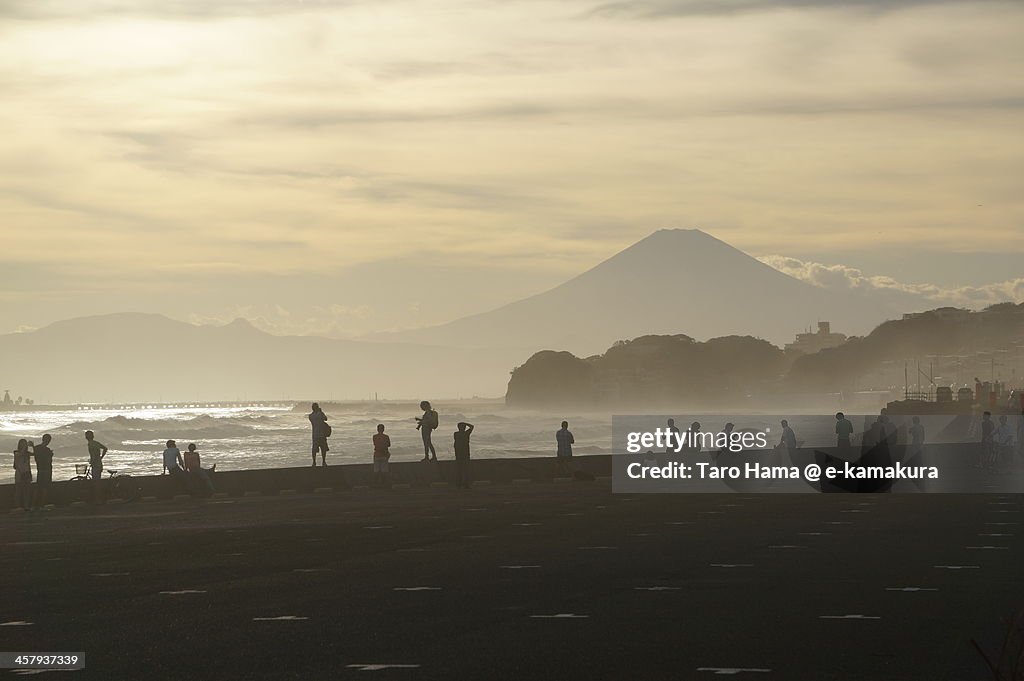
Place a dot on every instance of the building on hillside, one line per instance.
(812, 341)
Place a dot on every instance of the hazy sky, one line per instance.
(342, 167)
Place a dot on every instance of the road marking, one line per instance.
(572, 514)
(988, 548)
(642, 534)
(526, 524)
(413, 550)
(282, 618)
(597, 548)
(854, 510)
(110, 574)
(995, 534)
(909, 588)
(848, 617)
(838, 522)
(656, 588)
(732, 565)
(416, 588)
(379, 527)
(312, 570)
(560, 616)
(957, 567)
(730, 671)
(519, 567)
(376, 667)
(16, 623)
(680, 522)
(786, 546)
(815, 534)
(182, 592)
(1002, 523)
(711, 512)
(477, 536)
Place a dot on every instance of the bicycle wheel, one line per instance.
(123, 487)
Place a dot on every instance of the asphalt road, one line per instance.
(543, 581)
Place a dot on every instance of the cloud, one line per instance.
(851, 278)
(169, 9)
(654, 9)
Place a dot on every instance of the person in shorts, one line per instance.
(381, 455)
(97, 451)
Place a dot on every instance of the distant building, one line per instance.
(811, 341)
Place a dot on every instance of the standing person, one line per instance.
(97, 451)
(321, 431)
(670, 448)
(22, 476)
(987, 441)
(381, 456)
(1004, 440)
(462, 478)
(916, 437)
(788, 436)
(427, 424)
(693, 439)
(565, 441)
(844, 430)
(44, 470)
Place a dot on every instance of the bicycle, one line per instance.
(121, 484)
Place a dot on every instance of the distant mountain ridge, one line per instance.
(673, 281)
(137, 356)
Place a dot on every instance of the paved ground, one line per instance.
(544, 581)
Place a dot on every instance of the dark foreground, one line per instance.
(544, 581)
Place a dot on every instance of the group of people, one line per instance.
(188, 466)
(999, 442)
(426, 425)
(27, 450)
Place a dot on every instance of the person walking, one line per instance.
(427, 424)
(462, 477)
(321, 431)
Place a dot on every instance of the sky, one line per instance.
(344, 167)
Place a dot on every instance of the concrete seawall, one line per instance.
(271, 481)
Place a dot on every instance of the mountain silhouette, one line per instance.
(148, 357)
(673, 281)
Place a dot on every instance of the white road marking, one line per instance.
(477, 536)
(376, 667)
(957, 567)
(379, 527)
(282, 618)
(838, 522)
(848, 617)
(526, 524)
(730, 671)
(995, 534)
(786, 546)
(909, 588)
(597, 548)
(560, 616)
(680, 522)
(1002, 523)
(656, 588)
(110, 574)
(732, 565)
(182, 592)
(815, 534)
(519, 567)
(312, 570)
(988, 548)
(413, 550)
(416, 588)
(16, 623)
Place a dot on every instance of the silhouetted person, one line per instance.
(22, 476)
(427, 424)
(173, 463)
(1004, 440)
(670, 449)
(844, 430)
(988, 442)
(193, 466)
(693, 443)
(321, 431)
(916, 437)
(97, 451)
(462, 478)
(44, 470)
(381, 456)
(727, 431)
(788, 439)
(565, 440)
